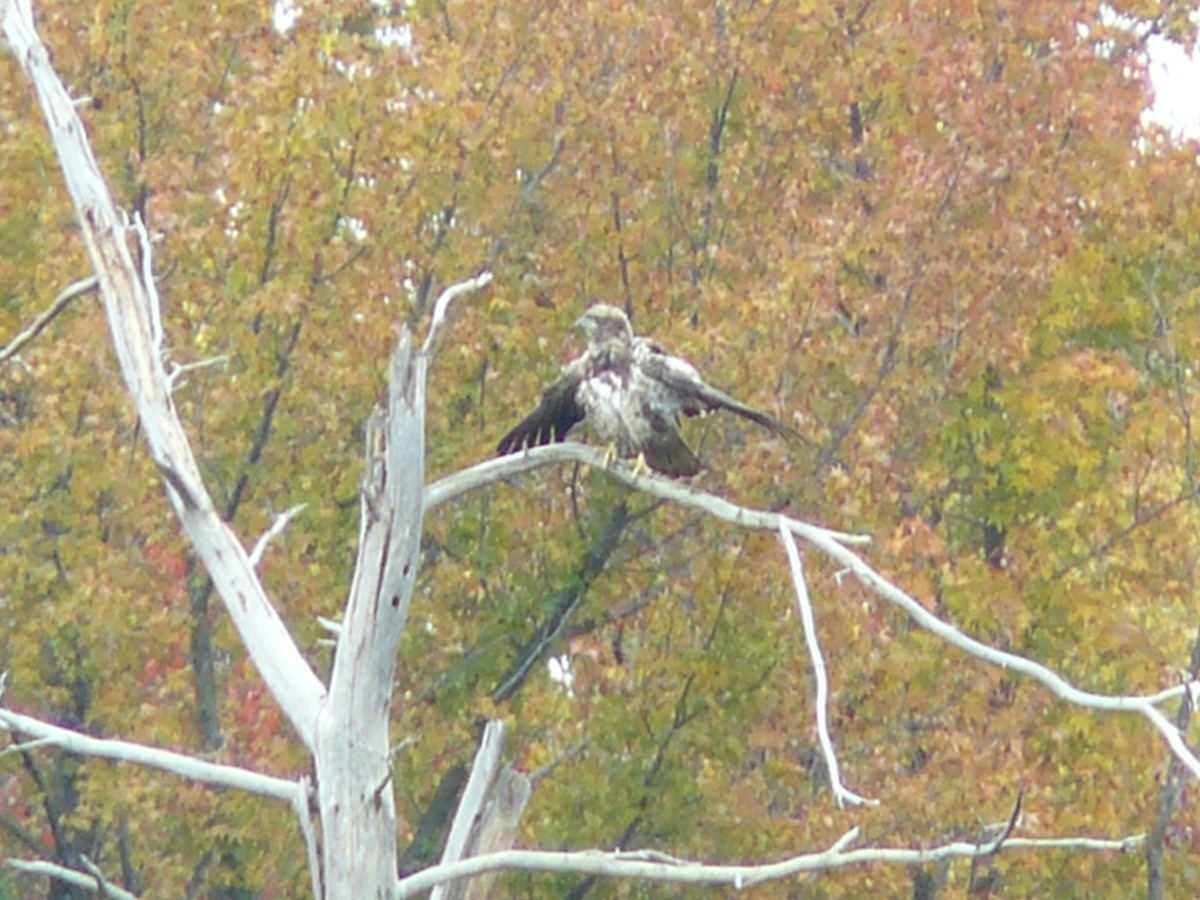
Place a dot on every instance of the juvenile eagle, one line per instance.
(632, 393)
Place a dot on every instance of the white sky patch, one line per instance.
(398, 36)
(284, 14)
(560, 673)
(1174, 73)
(354, 227)
(1175, 78)
(234, 214)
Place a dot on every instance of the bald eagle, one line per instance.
(632, 393)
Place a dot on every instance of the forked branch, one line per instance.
(841, 794)
(656, 867)
(45, 734)
(837, 546)
(131, 306)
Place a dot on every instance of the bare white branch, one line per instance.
(1059, 686)
(443, 304)
(166, 760)
(595, 862)
(27, 746)
(494, 471)
(334, 628)
(178, 370)
(353, 761)
(79, 288)
(834, 545)
(300, 805)
(483, 774)
(154, 305)
(93, 882)
(841, 794)
(281, 522)
(131, 305)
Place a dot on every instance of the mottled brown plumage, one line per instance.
(632, 393)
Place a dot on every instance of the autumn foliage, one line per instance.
(932, 237)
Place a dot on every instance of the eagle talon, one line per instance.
(640, 467)
(611, 455)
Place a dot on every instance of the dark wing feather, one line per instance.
(694, 396)
(557, 414)
(666, 453)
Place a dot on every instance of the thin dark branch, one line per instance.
(270, 407)
(720, 120)
(619, 228)
(826, 456)
(567, 602)
(679, 720)
(199, 876)
(61, 302)
(273, 219)
(22, 835)
(1116, 537)
(1011, 826)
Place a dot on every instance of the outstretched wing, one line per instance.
(680, 389)
(557, 414)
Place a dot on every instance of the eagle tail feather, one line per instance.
(667, 454)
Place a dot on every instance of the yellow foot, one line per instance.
(640, 466)
(610, 455)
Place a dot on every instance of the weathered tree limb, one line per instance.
(354, 770)
(487, 817)
(131, 306)
(658, 867)
(841, 793)
(834, 545)
(153, 757)
(498, 826)
(353, 753)
(93, 882)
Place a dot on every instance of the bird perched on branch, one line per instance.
(632, 393)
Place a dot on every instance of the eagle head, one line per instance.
(603, 322)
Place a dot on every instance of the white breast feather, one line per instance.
(603, 397)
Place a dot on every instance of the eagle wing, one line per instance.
(557, 413)
(680, 389)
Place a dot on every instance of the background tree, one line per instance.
(934, 238)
